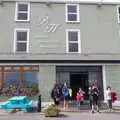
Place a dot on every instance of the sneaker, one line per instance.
(92, 111)
(110, 110)
(98, 111)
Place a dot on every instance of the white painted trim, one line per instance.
(23, 30)
(104, 81)
(16, 12)
(67, 41)
(66, 13)
(79, 41)
(78, 13)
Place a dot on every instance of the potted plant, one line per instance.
(51, 110)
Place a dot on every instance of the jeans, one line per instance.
(110, 104)
(78, 104)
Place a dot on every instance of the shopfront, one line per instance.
(24, 77)
(80, 77)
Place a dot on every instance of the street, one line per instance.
(63, 116)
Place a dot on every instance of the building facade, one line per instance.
(43, 42)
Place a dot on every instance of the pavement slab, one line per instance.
(104, 115)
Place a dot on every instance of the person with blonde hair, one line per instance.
(81, 92)
(70, 94)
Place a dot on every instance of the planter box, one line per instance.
(51, 112)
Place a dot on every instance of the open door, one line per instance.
(79, 80)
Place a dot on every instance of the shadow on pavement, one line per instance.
(62, 115)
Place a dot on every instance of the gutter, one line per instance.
(98, 2)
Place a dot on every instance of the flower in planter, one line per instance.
(51, 110)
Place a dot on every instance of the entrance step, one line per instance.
(84, 107)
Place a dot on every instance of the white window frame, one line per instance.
(15, 39)
(78, 13)
(118, 14)
(67, 41)
(16, 11)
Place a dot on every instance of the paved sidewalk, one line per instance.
(104, 115)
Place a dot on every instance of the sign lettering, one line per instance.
(48, 27)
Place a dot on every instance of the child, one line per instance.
(78, 98)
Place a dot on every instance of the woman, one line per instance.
(55, 94)
(81, 92)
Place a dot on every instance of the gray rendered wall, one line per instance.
(47, 78)
(113, 78)
(98, 26)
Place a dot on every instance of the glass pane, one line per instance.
(72, 17)
(35, 68)
(119, 10)
(21, 47)
(73, 36)
(0, 68)
(21, 36)
(11, 78)
(22, 7)
(7, 68)
(30, 78)
(16, 68)
(72, 9)
(73, 47)
(26, 68)
(22, 16)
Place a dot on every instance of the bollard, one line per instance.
(39, 103)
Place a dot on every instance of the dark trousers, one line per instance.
(90, 103)
(110, 104)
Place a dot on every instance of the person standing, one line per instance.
(78, 100)
(109, 97)
(65, 92)
(90, 96)
(70, 94)
(95, 94)
(81, 92)
(55, 94)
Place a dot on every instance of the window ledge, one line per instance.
(73, 22)
(22, 20)
(73, 52)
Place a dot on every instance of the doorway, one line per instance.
(79, 80)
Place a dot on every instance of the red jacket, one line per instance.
(78, 97)
(114, 96)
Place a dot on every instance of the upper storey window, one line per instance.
(73, 41)
(22, 12)
(118, 13)
(21, 40)
(72, 13)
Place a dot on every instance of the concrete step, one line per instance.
(73, 107)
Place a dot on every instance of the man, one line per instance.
(95, 94)
(65, 92)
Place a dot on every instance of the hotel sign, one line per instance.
(47, 25)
